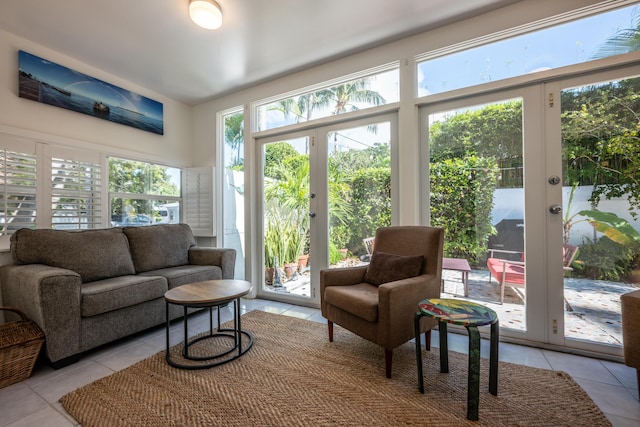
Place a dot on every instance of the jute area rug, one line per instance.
(292, 376)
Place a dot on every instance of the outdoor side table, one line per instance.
(470, 315)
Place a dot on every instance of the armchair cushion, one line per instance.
(360, 300)
(385, 267)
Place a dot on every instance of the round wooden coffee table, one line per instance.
(210, 294)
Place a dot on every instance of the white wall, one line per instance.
(52, 124)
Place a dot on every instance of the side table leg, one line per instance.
(167, 327)
(493, 359)
(238, 331)
(473, 386)
(416, 325)
(185, 350)
(444, 347)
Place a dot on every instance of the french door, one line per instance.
(592, 129)
(322, 191)
(541, 177)
(482, 191)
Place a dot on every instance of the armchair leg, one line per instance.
(388, 356)
(330, 327)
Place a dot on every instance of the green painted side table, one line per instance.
(470, 315)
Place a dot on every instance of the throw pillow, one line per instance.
(385, 267)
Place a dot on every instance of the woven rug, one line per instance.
(292, 376)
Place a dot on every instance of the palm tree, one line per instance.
(346, 96)
(234, 135)
(623, 41)
(340, 99)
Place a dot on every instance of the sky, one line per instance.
(566, 44)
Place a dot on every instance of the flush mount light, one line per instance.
(206, 13)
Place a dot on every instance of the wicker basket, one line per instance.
(20, 344)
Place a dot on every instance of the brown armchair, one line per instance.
(378, 301)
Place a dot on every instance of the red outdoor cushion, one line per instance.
(514, 272)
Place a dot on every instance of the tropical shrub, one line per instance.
(461, 203)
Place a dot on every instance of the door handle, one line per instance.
(555, 209)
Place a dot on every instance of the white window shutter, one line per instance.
(199, 209)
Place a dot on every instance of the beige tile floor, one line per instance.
(34, 402)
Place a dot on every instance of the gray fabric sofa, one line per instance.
(87, 288)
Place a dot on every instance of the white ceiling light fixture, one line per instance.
(206, 13)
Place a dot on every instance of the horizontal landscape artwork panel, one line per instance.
(47, 82)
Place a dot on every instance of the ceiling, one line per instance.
(154, 44)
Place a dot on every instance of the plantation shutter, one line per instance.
(199, 210)
(76, 185)
(18, 178)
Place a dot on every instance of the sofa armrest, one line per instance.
(225, 258)
(49, 296)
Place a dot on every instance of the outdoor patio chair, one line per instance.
(378, 301)
(511, 272)
(368, 245)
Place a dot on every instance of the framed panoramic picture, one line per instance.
(47, 82)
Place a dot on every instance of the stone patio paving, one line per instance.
(592, 309)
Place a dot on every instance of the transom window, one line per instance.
(607, 34)
(377, 88)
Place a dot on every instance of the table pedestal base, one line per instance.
(235, 334)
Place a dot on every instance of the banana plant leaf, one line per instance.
(611, 225)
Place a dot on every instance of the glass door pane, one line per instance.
(359, 190)
(476, 184)
(286, 217)
(601, 196)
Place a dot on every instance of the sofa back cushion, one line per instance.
(93, 254)
(159, 246)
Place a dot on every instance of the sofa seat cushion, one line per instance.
(360, 300)
(159, 246)
(93, 254)
(181, 275)
(119, 292)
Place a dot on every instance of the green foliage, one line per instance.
(604, 260)
(234, 138)
(370, 202)
(600, 130)
(275, 154)
(615, 228)
(493, 131)
(461, 203)
(127, 176)
(334, 254)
